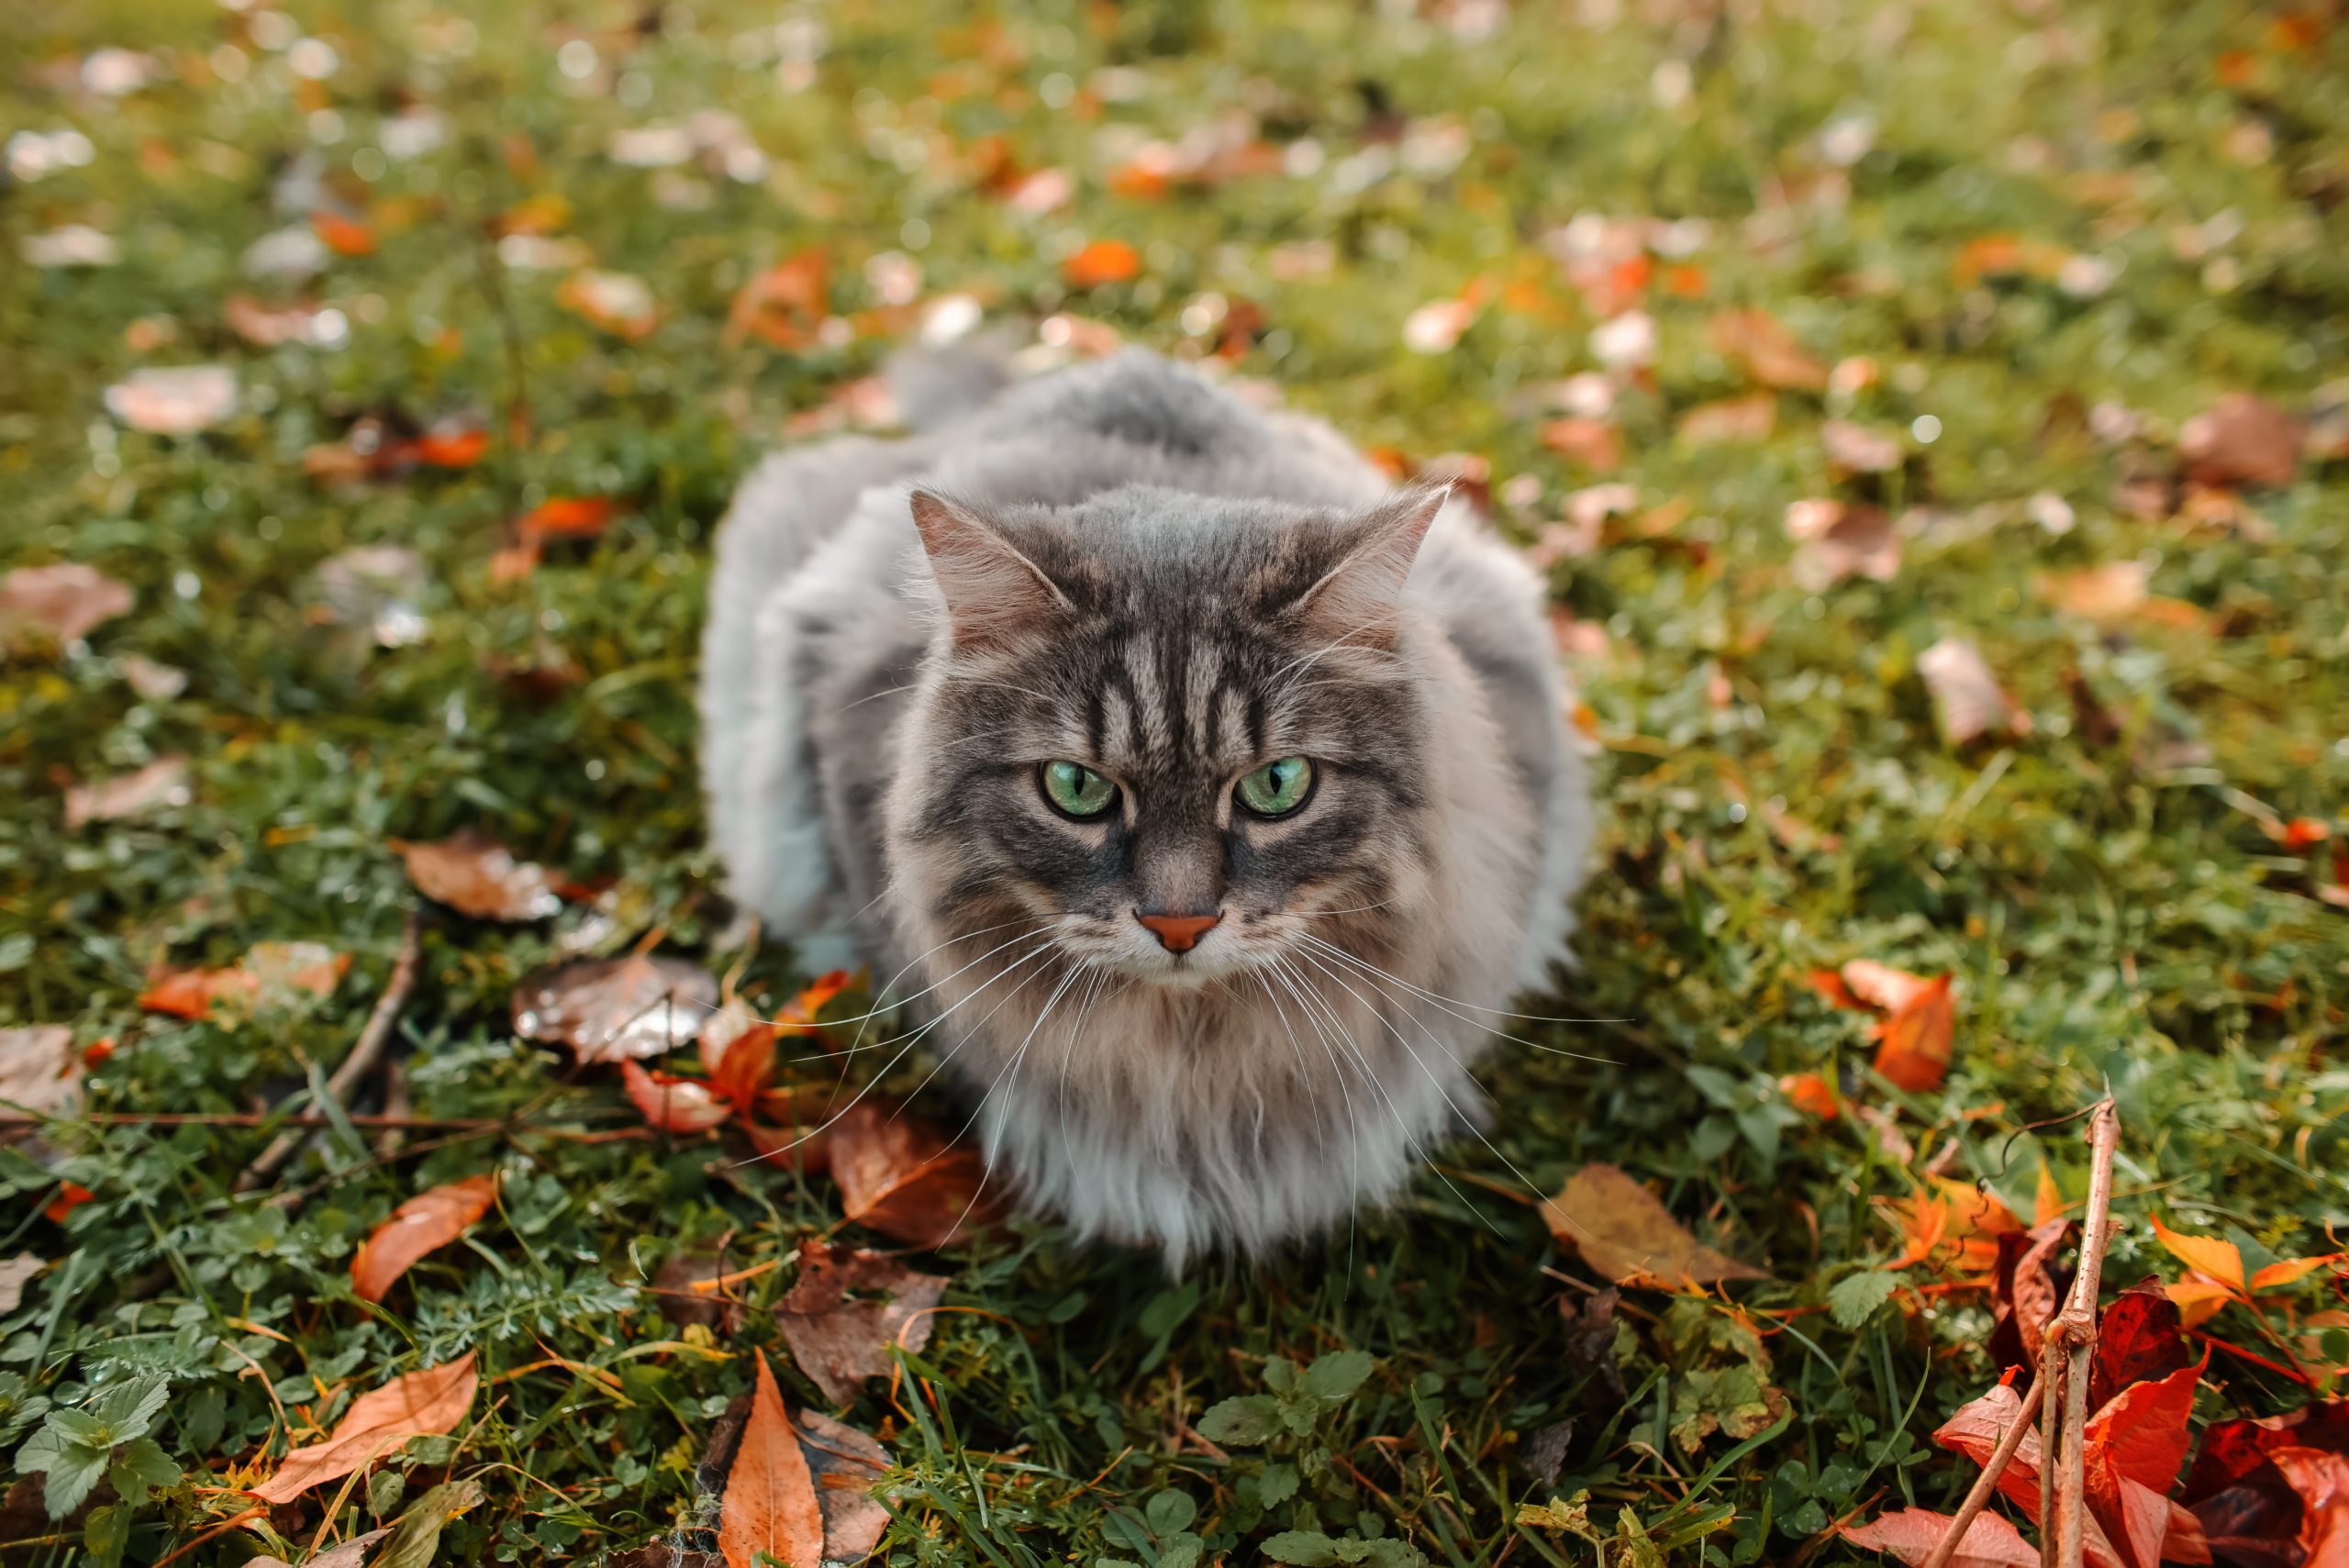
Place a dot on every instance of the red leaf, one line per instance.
(674, 1104)
(569, 516)
(2321, 1479)
(1912, 1533)
(900, 1176)
(70, 1195)
(450, 449)
(424, 1403)
(2239, 1450)
(2140, 1339)
(427, 1221)
(1811, 1094)
(769, 1505)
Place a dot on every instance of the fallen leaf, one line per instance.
(1436, 326)
(1627, 1235)
(785, 304)
(450, 446)
(429, 1401)
(2105, 594)
(842, 1341)
(60, 603)
(1968, 702)
(1811, 1094)
(271, 976)
(40, 1072)
(1835, 540)
(2321, 1479)
(15, 1274)
(153, 680)
(178, 400)
(350, 1553)
(1858, 450)
(770, 1504)
(2140, 1339)
(1769, 351)
(343, 236)
(612, 1009)
(1749, 418)
(476, 875)
(2241, 439)
(428, 1220)
(271, 325)
(845, 1463)
(1915, 1039)
(416, 1537)
(672, 1104)
(569, 516)
(1593, 443)
(163, 782)
(619, 304)
(1911, 1534)
(1102, 261)
(900, 1176)
(2214, 1256)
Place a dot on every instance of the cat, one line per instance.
(1215, 795)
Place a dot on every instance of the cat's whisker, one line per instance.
(1473, 1007)
(1436, 1082)
(1442, 1004)
(1411, 1143)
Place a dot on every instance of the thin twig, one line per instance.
(364, 1055)
(1954, 1532)
(2070, 1343)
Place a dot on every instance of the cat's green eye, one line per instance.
(1075, 790)
(1278, 787)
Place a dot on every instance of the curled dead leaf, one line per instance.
(845, 1311)
(613, 1009)
(902, 1177)
(431, 1219)
(674, 1104)
(476, 875)
(1629, 1236)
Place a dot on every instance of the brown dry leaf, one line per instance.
(900, 1176)
(2112, 592)
(351, 1554)
(1750, 418)
(428, 1220)
(1835, 540)
(613, 1009)
(58, 604)
(269, 976)
(1968, 702)
(1856, 448)
(840, 1340)
(429, 1401)
(1627, 1235)
(2241, 439)
(769, 1505)
(163, 782)
(179, 400)
(845, 1463)
(40, 1072)
(1769, 351)
(476, 875)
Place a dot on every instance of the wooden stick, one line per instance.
(1953, 1533)
(372, 1042)
(2077, 1326)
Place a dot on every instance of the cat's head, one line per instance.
(1176, 736)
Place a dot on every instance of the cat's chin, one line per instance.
(1176, 972)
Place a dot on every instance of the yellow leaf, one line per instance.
(2209, 1255)
(2048, 1204)
(2198, 1300)
(1627, 1235)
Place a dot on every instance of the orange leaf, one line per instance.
(569, 516)
(1769, 351)
(2277, 1275)
(343, 236)
(900, 1176)
(70, 1195)
(769, 1505)
(1915, 1042)
(450, 449)
(799, 1013)
(476, 875)
(1882, 987)
(427, 1221)
(1628, 1235)
(1811, 1094)
(785, 304)
(428, 1402)
(2198, 1300)
(2208, 1255)
(2047, 1202)
(1829, 985)
(1912, 1534)
(674, 1104)
(1102, 261)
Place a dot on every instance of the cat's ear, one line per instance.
(1360, 598)
(993, 592)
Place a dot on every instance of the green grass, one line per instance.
(2111, 907)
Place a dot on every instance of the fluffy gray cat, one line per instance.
(1218, 794)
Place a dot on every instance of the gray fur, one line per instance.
(1129, 568)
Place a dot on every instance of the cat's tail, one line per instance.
(935, 384)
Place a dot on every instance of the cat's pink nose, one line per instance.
(1179, 933)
